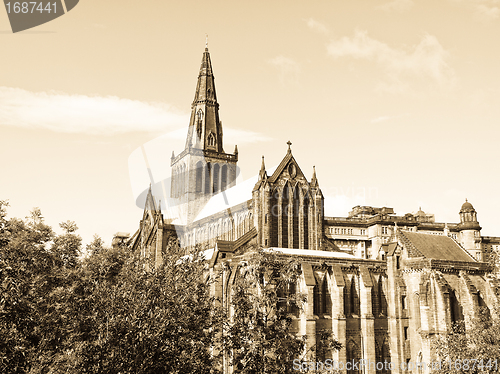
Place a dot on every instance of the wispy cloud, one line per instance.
(482, 10)
(486, 10)
(400, 6)
(288, 68)
(427, 58)
(99, 115)
(317, 26)
(62, 112)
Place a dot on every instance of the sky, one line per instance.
(396, 103)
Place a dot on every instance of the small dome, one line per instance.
(467, 207)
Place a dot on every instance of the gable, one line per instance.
(288, 169)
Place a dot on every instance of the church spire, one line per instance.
(314, 180)
(262, 172)
(205, 128)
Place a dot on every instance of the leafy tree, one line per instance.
(126, 319)
(473, 350)
(96, 246)
(25, 270)
(260, 336)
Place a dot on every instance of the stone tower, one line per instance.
(470, 236)
(202, 168)
(289, 209)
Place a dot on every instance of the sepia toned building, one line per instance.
(385, 285)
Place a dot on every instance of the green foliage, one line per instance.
(470, 350)
(261, 336)
(29, 271)
(107, 313)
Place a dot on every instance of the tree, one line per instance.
(25, 270)
(473, 350)
(260, 337)
(128, 319)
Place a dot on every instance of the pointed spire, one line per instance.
(173, 155)
(205, 127)
(236, 149)
(262, 172)
(206, 42)
(314, 180)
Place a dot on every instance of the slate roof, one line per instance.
(437, 247)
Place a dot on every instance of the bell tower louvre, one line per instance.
(203, 168)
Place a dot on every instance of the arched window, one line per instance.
(223, 179)
(354, 298)
(382, 305)
(325, 296)
(207, 178)
(211, 140)
(199, 123)
(306, 220)
(295, 217)
(273, 227)
(216, 178)
(199, 176)
(284, 216)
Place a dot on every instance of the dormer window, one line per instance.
(211, 140)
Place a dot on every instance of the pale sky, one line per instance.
(396, 103)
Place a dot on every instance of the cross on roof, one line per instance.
(289, 144)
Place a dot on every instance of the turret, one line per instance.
(470, 231)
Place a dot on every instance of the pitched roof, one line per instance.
(436, 246)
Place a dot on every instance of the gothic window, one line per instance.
(286, 296)
(223, 179)
(455, 308)
(211, 140)
(346, 300)
(295, 217)
(207, 178)
(273, 229)
(199, 123)
(404, 304)
(306, 221)
(284, 216)
(216, 177)
(325, 296)
(317, 300)
(199, 176)
(353, 298)
(381, 298)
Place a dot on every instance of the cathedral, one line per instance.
(385, 285)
